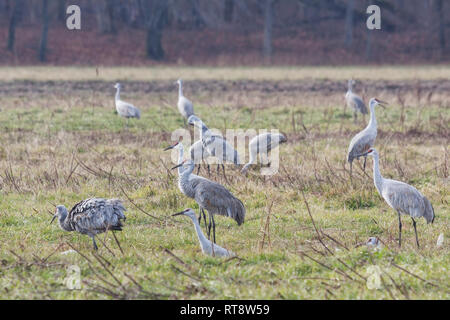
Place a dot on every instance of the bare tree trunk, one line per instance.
(228, 11)
(268, 24)
(43, 45)
(349, 23)
(441, 25)
(62, 10)
(155, 13)
(15, 16)
(105, 16)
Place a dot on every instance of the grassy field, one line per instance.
(61, 141)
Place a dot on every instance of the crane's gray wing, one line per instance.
(404, 198)
(218, 200)
(360, 105)
(360, 144)
(96, 215)
(127, 110)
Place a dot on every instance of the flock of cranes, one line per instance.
(97, 215)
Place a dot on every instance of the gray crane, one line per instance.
(185, 106)
(354, 101)
(365, 139)
(91, 217)
(216, 145)
(210, 196)
(207, 246)
(179, 146)
(262, 144)
(125, 109)
(401, 197)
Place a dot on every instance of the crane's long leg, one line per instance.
(214, 228)
(198, 169)
(209, 226)
(415, 230)
(399, 230)
(351, 165)
(364, 166)
(94, 243)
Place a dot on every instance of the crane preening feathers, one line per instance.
(401, 197)
(91, 217)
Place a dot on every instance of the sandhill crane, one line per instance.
(125, 109)
(401, 197)
(92, 216)
(185, 106)
(262, 144)
(365, 139)
(207, 246)
(179, 146)
(216, 145)
(354, 101)
(209, 195)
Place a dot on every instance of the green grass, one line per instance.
(59, 149)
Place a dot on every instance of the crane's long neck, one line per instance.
(118, 94)
(373, 119)
(350, 86)
(180, 89)
(180, 159)
(201, 237)
(184, 180)
(377, 177)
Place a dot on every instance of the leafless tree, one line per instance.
(14, 19)
(44, 36)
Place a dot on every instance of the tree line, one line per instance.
(267, 16)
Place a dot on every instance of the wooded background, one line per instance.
(223, 32)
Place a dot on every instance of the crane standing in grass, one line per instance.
(91, 217)
(365, 139)
(209, 195)
(207, 246)
(262, 144)
(179, 146)
(353, 101)
(401, 197)
(185, 106)
(125, 109)
(216, 145)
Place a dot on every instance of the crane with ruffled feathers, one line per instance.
(402, 197)
(91, 217)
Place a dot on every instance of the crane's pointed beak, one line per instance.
(170, 147)
(54, 217)
(177, 166)
(178, 214)
(363, 154)
(382, 103)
